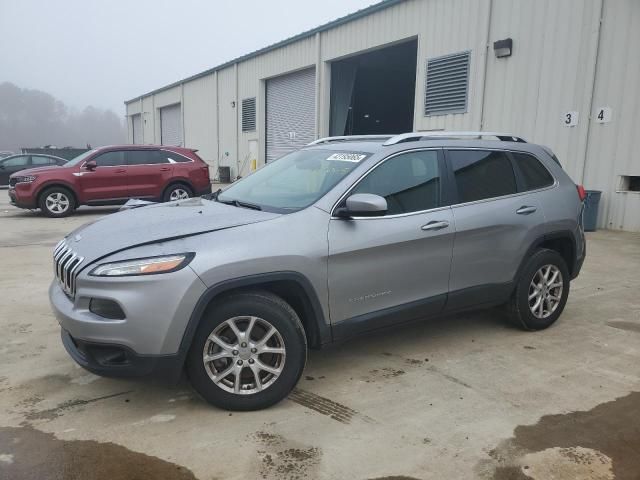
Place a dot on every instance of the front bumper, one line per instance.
(117, 361)
(20, 201)
(147, 340)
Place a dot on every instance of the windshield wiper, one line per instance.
(212, 196)
(238, 203)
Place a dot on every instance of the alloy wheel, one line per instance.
(178, 194)
(57, 202)
(244, 355)
(545, 291)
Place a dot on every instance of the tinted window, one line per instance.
(482, 174)
(42, 161)
(534, 175)
(16, 162)
(110, 159)
(146, 157)
(175, 157)
(410, 182)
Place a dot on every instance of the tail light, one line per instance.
(581, 192)
(205, 168)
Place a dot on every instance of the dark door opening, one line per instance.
(373, 93)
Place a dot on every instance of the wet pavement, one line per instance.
(462, 397)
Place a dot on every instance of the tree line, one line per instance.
(33, 118)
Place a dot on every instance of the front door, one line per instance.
(495, 226)
(387, 269)
(108, 181)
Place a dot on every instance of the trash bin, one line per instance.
(224, 174)
(590, 212)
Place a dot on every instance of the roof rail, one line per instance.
(346, 138)
(415, 136)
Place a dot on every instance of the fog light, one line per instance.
(106, 309)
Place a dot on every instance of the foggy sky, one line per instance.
(100, 53)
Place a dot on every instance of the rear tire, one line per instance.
(238, 339)
(57, 202)
(177, 191)
(541, 292)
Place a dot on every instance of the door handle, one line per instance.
(121, 170)
(435, 225)
(165, 169)
(525, 210)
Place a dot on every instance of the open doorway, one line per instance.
(374, 92)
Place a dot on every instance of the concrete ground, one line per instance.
(461, 397)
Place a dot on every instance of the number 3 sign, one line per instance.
(570, 119)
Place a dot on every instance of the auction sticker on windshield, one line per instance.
(347, 157)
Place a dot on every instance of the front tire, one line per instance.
(57, 202)
(541, 292)
(248, 352)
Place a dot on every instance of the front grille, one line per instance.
(12, 182)
(65, 266)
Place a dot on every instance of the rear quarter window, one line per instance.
(533, 173)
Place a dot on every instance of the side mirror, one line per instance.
(363, 205)
(91, 165)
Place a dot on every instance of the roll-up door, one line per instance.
(171, 125)
(136, 123)
(291, 113)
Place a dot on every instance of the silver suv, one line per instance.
(345, 236)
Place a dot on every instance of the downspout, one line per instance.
(319, 72)
(142, 121)
(182, 112)
(591, 89)
(486, 63)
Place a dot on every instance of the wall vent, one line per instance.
(447, 84)
(249, 114)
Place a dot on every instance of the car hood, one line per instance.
(158, 222)
(35, 170)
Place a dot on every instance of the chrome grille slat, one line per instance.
(65, 266)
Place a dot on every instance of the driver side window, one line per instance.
(410, 182)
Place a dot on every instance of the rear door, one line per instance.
(387, 269)
(108, 181)
(12, 165)
(496, 223)
(149, 172)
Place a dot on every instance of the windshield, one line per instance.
(79, 159)
(294, 181)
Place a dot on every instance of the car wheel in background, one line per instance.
(248, 352)
(57, 202)
(178, 191)
(541, 292)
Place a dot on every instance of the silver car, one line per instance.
(345, 236)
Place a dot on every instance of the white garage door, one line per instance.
(291, 113)
(137, 128)
(171, 125)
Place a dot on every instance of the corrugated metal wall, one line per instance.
(552, 71)
(612, 150)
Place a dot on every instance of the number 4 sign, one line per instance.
(603, 115)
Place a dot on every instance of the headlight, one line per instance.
(143, 266)
(25, 179)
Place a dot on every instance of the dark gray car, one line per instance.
(345, 236)
(15, 163)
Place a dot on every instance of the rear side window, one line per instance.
(481, 174)
(533, 174)
(410, 182)
(175, 157)
(146, 157)
(110, 159)
(42, 160)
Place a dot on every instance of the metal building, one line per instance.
(564, 74)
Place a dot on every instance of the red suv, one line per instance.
(111, 176)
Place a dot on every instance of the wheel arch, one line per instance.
(177, 181)
(561, 241)
(292, 287)
(57, 183)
